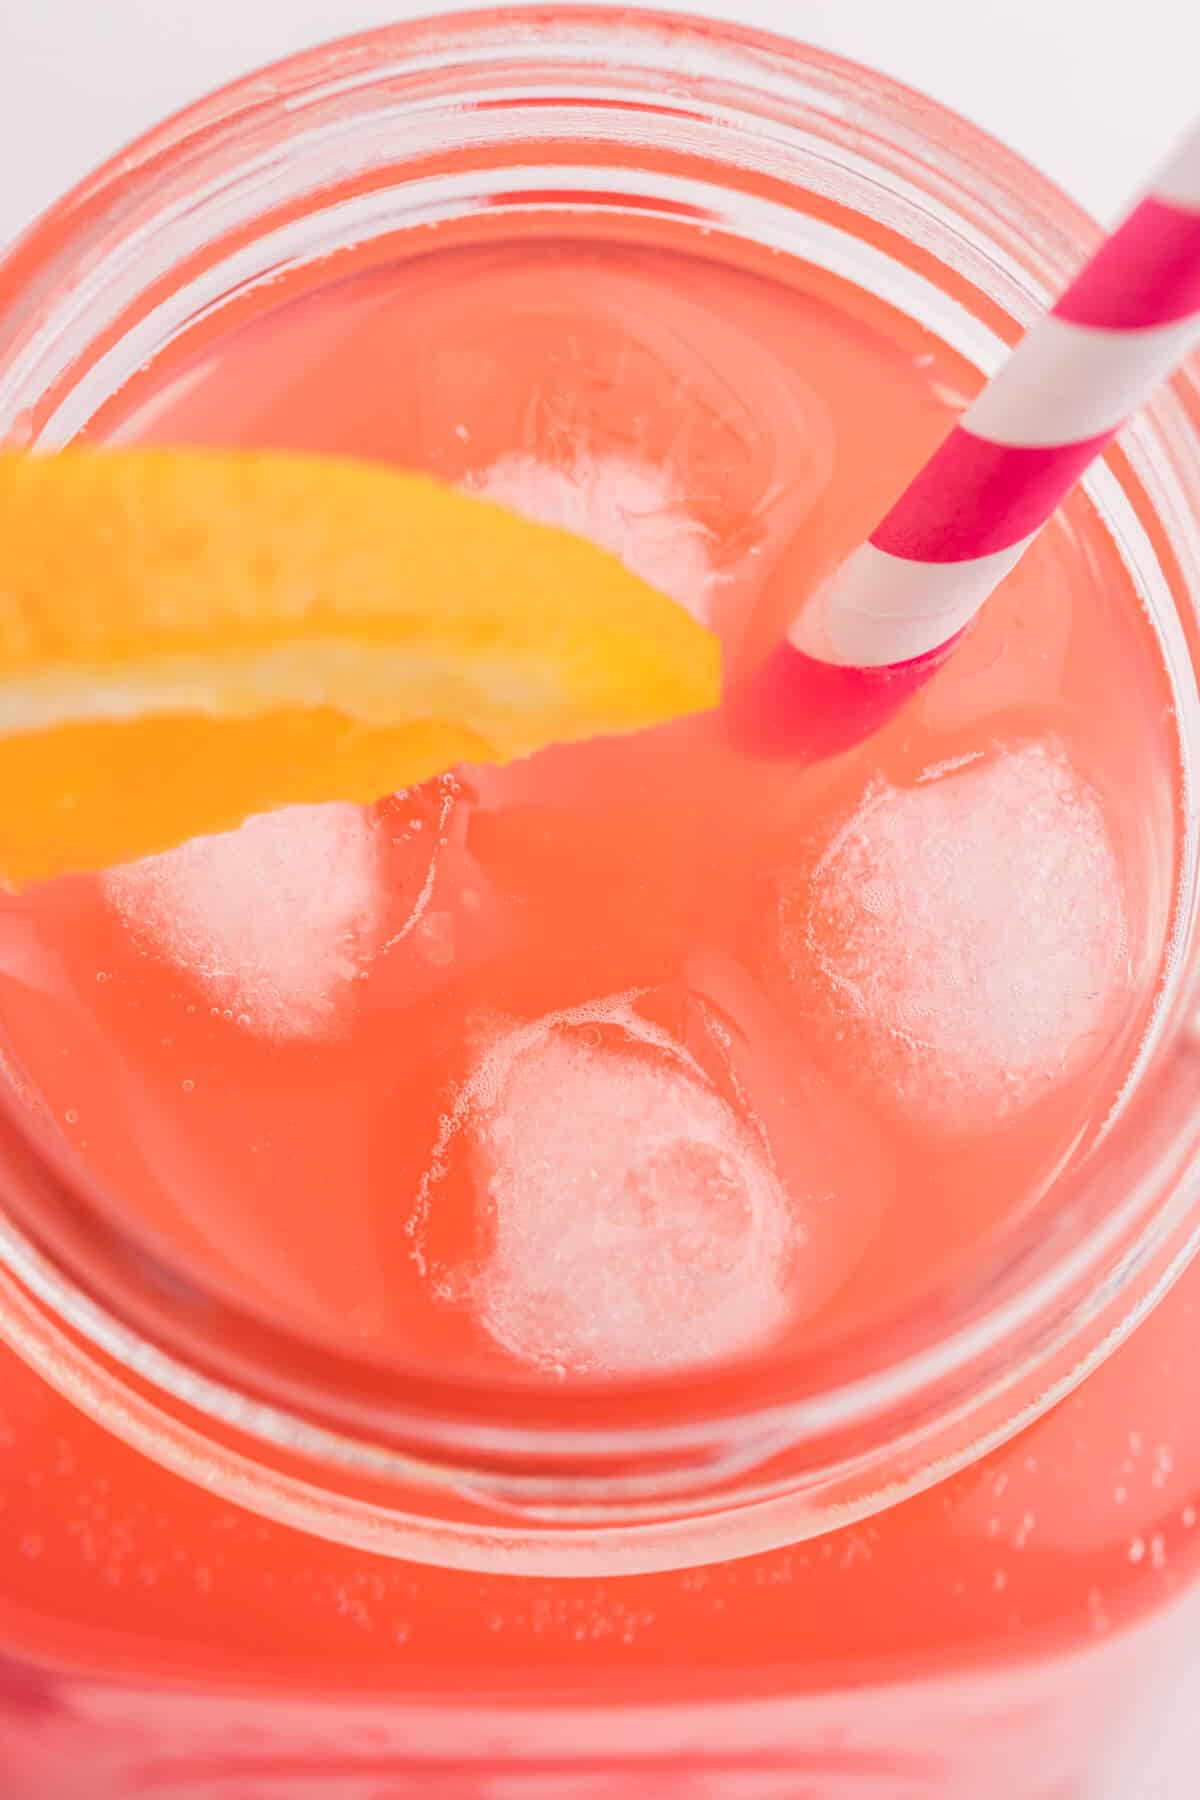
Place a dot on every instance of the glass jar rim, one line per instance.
(1008, 1304)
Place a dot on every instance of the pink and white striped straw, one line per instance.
(892, 613)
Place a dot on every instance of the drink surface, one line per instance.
(635, 1056)
(640, 1053)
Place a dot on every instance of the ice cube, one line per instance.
(272, 920)
(967, 932)
(624, 505)
(631, 1220)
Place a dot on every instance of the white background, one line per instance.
(1094, 91)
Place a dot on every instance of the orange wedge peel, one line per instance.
(189, 637)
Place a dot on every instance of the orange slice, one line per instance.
(187, 637)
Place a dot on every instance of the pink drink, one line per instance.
(637, 1063)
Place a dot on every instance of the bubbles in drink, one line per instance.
(629, 1219)
(625, 505)
(968, 932)
(272, 920)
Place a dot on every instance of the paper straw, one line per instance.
(890, 615)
